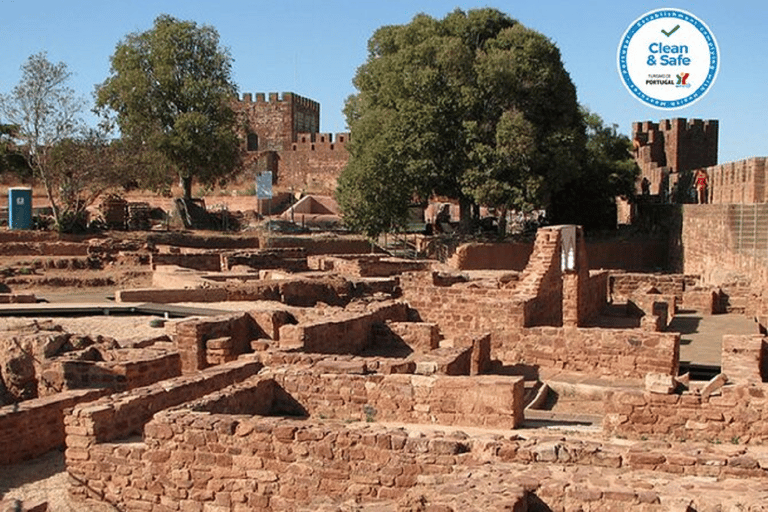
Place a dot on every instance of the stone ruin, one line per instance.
(303, 380)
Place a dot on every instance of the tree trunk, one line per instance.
(186, 185)
(465, 215)
(502, 222)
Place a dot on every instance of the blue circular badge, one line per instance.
(668, 59)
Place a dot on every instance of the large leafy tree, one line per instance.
(609, 171)
(170, 91)
(44, 112)
(475, 107)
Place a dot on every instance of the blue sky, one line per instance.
(313, 47)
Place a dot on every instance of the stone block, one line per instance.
(659, 383)
(714, 385)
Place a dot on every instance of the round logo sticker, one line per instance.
(668, 58)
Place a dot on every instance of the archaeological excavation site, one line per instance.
(194, 371)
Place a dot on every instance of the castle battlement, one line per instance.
(316, 141)
(274, 98)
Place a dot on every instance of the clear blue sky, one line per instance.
(313, 47)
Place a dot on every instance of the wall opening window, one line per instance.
(253, 142)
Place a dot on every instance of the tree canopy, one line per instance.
(609, 171)
(44, 112)
(475, 107)
(169, 91)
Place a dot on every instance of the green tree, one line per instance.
(11, 157)
(45, 111)
(86, 167)
(169, 91)
(609, 171)
(475, 107)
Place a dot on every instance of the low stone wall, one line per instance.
(477, 256)
(17, 298)
(737, 415)
(134, 368)
(627, 353)
(191, 337)
(199, 460)
(293, 259)
(34, 427)
(27, 248)
(345, 333)
(295, 292)
(744, 358)
(169, 296)
(623, 285)
(124, 414)
(366, 265)
(221, 451)
(322, 245)
(491, 401)
(205, 262)
(460, 309)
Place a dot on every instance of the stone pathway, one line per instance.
(701, 336)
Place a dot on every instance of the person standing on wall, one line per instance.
(701, 186)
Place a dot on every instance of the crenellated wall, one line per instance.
(282, 135)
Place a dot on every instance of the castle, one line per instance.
(282, 135)
(665, 151)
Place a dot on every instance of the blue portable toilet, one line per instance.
(19, 208)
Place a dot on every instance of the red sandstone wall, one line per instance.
(739, 414)
(741, 182)
(125, 414)
(624, 285)
(506, 256)
(191, 337)
(344, 333)
(459, 310)
(630, 255)
(616, 352)
(723, 243)
(143, 368)
(485, 400)
(34, 427)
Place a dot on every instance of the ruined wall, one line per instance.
(372, 265)
(597, 351)
(542, 280)
(504, 256)
(214, 451)
(322, 244)
(738, 414)
(623, 285)
(461, 309)
(642, 255)
(485, 400)
(343, 333)
(220, 453)
(137, 368)
(745, 358)
(35, 427)
(124, 414)
(192, 336)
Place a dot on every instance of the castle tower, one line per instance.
(281, 134)
(673, 146)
